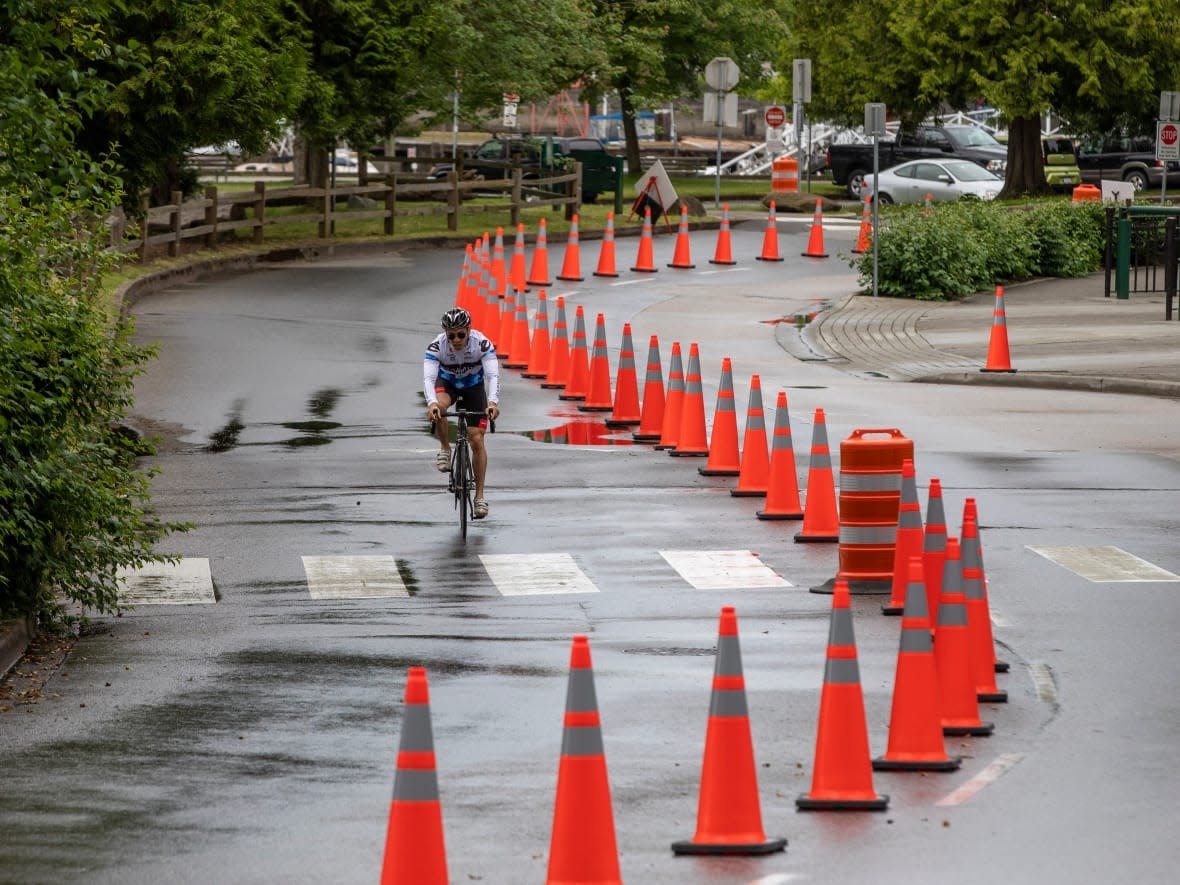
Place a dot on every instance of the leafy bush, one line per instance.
(956, 249)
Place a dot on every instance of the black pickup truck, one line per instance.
(850, 163)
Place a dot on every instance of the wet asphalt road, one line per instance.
(253, 740)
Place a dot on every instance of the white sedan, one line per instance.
(916, 180)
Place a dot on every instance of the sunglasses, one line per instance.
(456, 336)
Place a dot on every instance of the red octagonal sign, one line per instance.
(775, 117)
(1169, 133)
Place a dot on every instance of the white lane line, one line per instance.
(1105, 565)
(723, 569)
(535, 574)
(1043, 681)
(353, 577)
(777, 879)
(188, 582)
(988, 776)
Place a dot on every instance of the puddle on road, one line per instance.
(583, 432)
(312, 432)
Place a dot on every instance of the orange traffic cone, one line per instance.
(934, 547)
(723, 441)
(908, 539)
(820, 519)
(414, 850)
(539, 270)
(506, 325)
(969, 508)
(770, 238)
(462, 295)
(520, 348)
(559, 351)
(957, 703)
(729, 813)
(997, 345)
(578, 382)
(673, 401)
(782, 488)
(516, 267)
(843, 775)
(644, 259)
(582, 848)
(539, 348)
(482, 314)
(754, 472)
(815, 242)
(598, 396)
(864, 237)
(916, 742)
(571, 263)
(499, 270)
(723, 254)
(681, 256)
(626, 404)
(651, 417)
(606, 252)
(691, 439)
(979, 622)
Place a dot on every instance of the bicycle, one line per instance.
(461, 482)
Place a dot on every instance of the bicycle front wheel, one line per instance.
(464, 483)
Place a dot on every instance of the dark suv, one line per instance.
(494, 159)
(1124, 158)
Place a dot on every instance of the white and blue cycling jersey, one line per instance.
(461, 368)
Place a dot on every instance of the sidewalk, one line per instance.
(1062, 334)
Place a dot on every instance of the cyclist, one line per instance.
(457, 364)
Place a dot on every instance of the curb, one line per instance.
(1054, 381)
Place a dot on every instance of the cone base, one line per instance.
(570, 397)
(571, 279)
(682, 453)
(552, 386)
(807, 803)
(544, 284)
(585, 408)
(948, 763)
(1001, 666)
(770, 846)
(766, 258)
(622, 422)
(645, 269)
(603, 273)
(645, 437)
(1008, 371)
(715, 261)
(747, 493)
(814, 254)
(718, 471)
(665, 447)
(857, 588)
(512, 364)
(763, 514)
(532, 374)
(992, 697)
(683, 266)
(982, 729)
(890, 609)
(812, 539)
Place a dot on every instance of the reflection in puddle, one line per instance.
(584, 432)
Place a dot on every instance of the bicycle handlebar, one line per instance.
(468, 415)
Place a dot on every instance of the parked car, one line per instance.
(493, 160)
(1129, 158)
(1061, 163)
(941, 179)
(850, 163)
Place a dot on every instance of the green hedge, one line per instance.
(956, 249)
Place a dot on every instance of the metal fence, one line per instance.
(1142, 252)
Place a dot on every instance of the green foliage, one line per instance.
(73, 506)
(956, 249)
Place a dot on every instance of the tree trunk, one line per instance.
(630, 134)
(1026, 164)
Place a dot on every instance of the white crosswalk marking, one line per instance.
(723, 569)
(187, 582)
(1105, 565)
(353, 577)
(535, 574)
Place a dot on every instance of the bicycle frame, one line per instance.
(462, 477)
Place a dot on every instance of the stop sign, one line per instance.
(1167, 141)
(1169, 133)
(775, 116)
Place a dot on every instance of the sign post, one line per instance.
(722, 74)
(801, 94)
(1167, 136)
(875, 126)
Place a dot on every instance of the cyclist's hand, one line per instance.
(434, 413)
(493, 411)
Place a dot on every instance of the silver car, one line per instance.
(917, 180)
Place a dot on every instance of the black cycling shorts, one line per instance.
(469, 399)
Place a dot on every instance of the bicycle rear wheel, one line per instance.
(464, 484)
